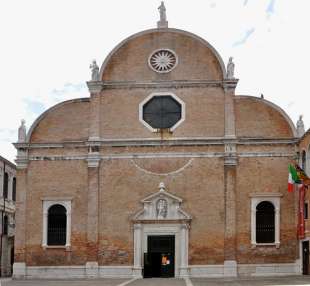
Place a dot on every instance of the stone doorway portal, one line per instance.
(161, 231)
(159, 259)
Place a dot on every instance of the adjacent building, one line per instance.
(163, 171)
(7, 212)
(304, 162)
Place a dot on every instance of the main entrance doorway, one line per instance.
(159, 259)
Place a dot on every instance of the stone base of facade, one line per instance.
(92, 270)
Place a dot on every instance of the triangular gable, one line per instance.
(161, 206)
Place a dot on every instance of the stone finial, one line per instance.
(22, 132)
(94, 71)
(230, 69)
(300, 127)
(161, 187)
(162, 23)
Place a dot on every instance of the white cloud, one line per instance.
(47, 44)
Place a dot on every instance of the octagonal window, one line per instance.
(161, 111)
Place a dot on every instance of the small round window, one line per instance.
(163, 60)
(162, 112)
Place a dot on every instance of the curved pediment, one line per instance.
(161, 206)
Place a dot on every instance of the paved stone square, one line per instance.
(272, 281)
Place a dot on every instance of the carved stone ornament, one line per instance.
(163, 60)
(161, 206)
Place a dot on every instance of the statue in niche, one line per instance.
(161, 209)
(162, 12)
(94, 71)
(230, 69)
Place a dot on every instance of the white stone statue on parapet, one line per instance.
(162, 23)
(300, 127)
(162, 12)
(230, 69)
(94, 71)
(22, 132)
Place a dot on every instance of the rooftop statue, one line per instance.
(300, 127)
(230, 69)
(22, 133)
(94, 71)
(162, 23)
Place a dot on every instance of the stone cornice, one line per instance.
(191, 141)
(165, 155)
(98, 86)
(162, 84)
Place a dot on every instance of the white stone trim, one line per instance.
(21, 271)
(46, 205)
(269, 269)
(275, 200)
(148, 98)
(165, 155)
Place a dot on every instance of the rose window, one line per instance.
(163, 61)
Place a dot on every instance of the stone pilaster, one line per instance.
(229, 88)
(184, 270)
(92, 212)
(230, 163)
(20, 224)
(137, 268)
(95, 88)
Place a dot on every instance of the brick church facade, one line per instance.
(162, 171)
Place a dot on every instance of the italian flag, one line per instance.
(292, 178)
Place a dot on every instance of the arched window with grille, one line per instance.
(265, 219)
(265, 222)
(14, 189)
(6, 185)
(57, 225)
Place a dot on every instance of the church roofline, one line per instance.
(156, 30)
(38, 120)
(274, 106)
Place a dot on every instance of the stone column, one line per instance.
(137, 268)
(184, 251)
(19, 267)
(92, 215)
(230, 163)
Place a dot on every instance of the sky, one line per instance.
(47, 46)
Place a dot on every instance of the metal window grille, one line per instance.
(162, 112)
(265, 222)
(57, 225)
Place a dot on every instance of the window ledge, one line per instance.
(276, 244)
(66, 247)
